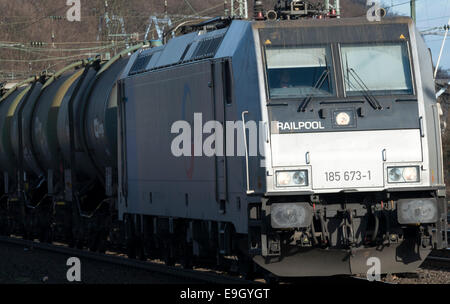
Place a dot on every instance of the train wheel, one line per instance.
(220, 261)
(131, 248)
(186, 262)
(4, 226)
(168, 260)
(186, 259)
(49, 235)
(270, 278)
(5, 231)
(168, 255)
(71, 242)
(68, 236)
(94, 242)
(130, 236)
(27, 235)
(102, 242)
(79, 244)
(141, 250)
(45, 235)
(102, 246)
(136, 249)
(246, 268)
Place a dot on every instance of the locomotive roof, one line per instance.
(224, 42)
(330, 22)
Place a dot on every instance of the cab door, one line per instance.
(219, 96)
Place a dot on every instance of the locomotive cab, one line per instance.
(354, 159)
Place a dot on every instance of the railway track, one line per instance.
(442, 256)
(172, 271)
(198, 275)
(439, 258)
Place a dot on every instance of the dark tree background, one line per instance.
(24, 21)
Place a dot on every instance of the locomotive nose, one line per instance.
(360, 162)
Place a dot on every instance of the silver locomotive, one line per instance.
(305, 147)
(348, 137)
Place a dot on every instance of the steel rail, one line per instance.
(132, 263)
(436, 258)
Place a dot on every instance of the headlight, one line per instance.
(292, 178)
(290, 215)
(403, 174)
(420, 210)
(299, 178)
(343, 119)
(395, 174)
(410, 174)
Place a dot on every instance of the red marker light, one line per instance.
(260, 16)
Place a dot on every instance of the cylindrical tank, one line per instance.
(44, 123)
(100, 119)
(83, 165)
(94, 120)
(8, 161)
(30, 164)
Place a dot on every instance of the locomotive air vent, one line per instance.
(185, 52)
(207, 48)
(140, 64)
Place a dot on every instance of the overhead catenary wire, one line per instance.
(430, 19)
(442, 48)
(96, 45)
(184, 18)
(33, 49)
(63, 43)
(29, 23)
(42, 52)
(190, 6)
(434, 40)
(180, 19)
(398, 4)
(44, 59)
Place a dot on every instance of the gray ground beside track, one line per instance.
(432, 275)
(19, 265)
(430, 272)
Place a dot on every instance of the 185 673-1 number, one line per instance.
(336, 176)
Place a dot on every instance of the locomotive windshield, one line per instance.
(383, 68)
(298, 72)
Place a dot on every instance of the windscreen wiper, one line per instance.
(366, 91)
(317, 85)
